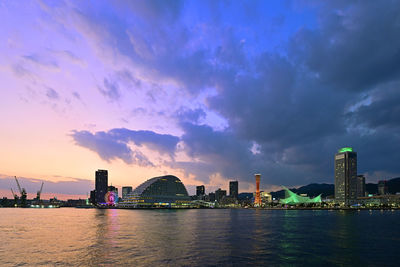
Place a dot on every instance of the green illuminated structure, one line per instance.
(346, 149)
(294, 199)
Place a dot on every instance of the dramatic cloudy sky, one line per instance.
(207, 90)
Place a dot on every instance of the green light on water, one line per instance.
(346, 149)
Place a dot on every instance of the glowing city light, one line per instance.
(346, 149)
(293, 198)
(257, 200)
(110, 197)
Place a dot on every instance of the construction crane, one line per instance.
(39, 192)
(22, 192)
(15, 197)
(19, 187)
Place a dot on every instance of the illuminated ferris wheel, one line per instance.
(110, 198)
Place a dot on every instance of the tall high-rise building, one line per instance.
(101, 185)
(360, 186)
(125, 191)
(345, 176)
(200, 190)
(257, 199)
(382, 187)
(220, 194)
(234, 189)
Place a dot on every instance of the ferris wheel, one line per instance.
(110, 198)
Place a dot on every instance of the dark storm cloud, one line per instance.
(296, 108)
(190, 115)
(356, 47)
(223, 152)
(331, 84)
(230, 155)
(382, 112)
(115, 144)
(280, 105)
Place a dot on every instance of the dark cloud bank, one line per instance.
(331, 85)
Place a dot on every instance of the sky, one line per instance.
(209, 91)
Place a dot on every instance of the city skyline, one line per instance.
(209, 92)
(347, 183)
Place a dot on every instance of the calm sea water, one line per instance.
(79, 237)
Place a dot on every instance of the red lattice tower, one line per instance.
(257, 200)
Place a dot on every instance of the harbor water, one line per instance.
(198, 237)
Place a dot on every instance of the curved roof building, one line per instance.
(294, 199)
(162, 191)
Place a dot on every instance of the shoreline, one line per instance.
(218, 208)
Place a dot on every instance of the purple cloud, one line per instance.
(115, 144)
(52, 94)
(163, 143)
(110, 89)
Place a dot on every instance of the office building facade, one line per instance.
(382, 187)
(234, 189)
(220, 194)
(126, 190)
(360, 186)
(200, 190)
(346, 176)
(211, 197)
(101, 185)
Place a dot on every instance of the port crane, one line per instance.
(22, 192)
(16, 198)
(39, 192)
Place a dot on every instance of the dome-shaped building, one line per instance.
(163, 191)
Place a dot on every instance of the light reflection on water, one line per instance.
(71, 237)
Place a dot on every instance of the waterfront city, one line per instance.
(169, 192)
(199, 133)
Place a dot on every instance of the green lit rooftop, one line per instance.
(346, 149)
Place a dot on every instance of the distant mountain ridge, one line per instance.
(313, 190)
